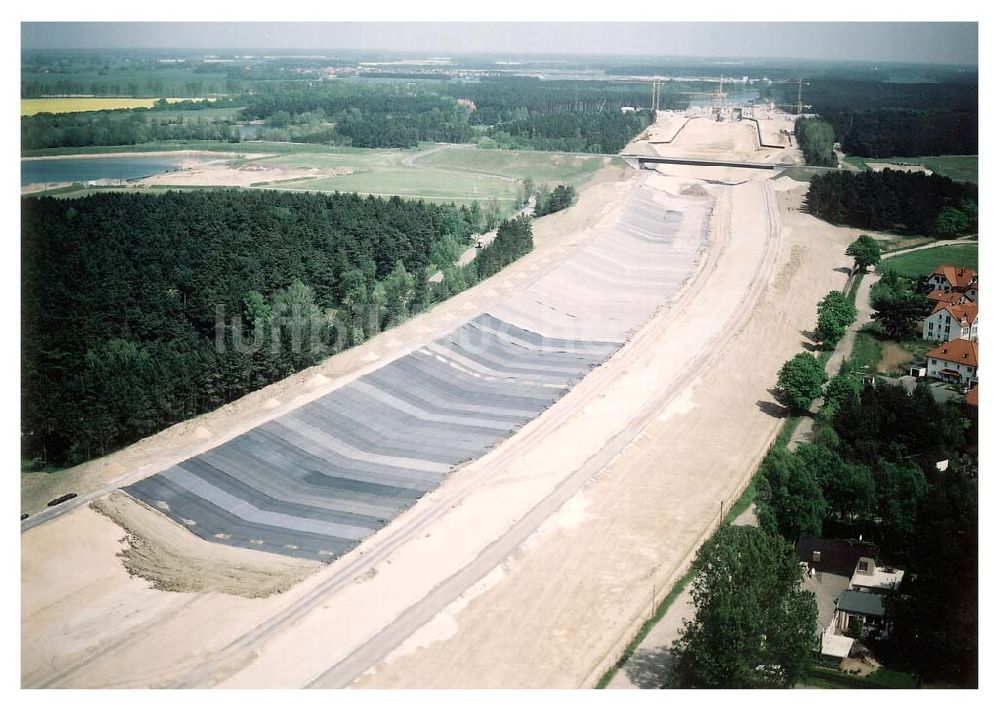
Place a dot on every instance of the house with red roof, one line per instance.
(955, 362)
(952, 278)
(936, 296)
(952, 321)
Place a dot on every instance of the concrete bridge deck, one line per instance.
(637, 162)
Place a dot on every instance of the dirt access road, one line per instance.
(528, 567)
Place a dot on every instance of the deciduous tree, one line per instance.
(754, 626)
(800, 381)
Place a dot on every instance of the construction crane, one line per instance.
(655, 105)
(799, 106)
(718, 96)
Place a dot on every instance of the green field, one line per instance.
(458, 174)
(961, 168)
(543, 167)
(922, 262)
(437, 185)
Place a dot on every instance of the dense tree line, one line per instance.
(558, 199)
(889, 200)
(867, 470)
(603, 132)
(121, 331)
(120, 127)
(513, 240)
(504, 100)
(891, 132)
(815, 136)
(365, 115)
(575, 116)
(830, 95)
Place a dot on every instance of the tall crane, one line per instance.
(799, 106)
(655, 105)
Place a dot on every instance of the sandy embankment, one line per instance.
(70, 649)
(567, 597)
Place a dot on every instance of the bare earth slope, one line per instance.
(528, 567)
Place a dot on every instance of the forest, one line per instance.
(880, 118)
(139, 310)
(509, 113)
(120, 127)
(893, 132)
(890, 200)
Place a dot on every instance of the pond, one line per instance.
(93, 168)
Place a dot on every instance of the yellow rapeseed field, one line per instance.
(31, 106)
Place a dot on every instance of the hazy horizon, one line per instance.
(943, 43)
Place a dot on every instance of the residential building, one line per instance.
(859, 613)
(839, 557)
(952, 321)
(936, 296)
(869, 577)
(952, 278)
(955, 362)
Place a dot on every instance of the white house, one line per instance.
(952, 321)
(952, 278)
(956, 362)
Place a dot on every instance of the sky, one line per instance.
(918, 42)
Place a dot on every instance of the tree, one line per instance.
(816, 138)
(899, 489)
(951, 222)
(836, 303)
(848, 489)
(865, 251)
(829, 330)
(399, 291)
(800, 381)
(843, 389)
(899, 316)
(789, 496)
(754, 625)
(936, 619)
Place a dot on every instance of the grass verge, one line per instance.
(646, 627)
(882, 678)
